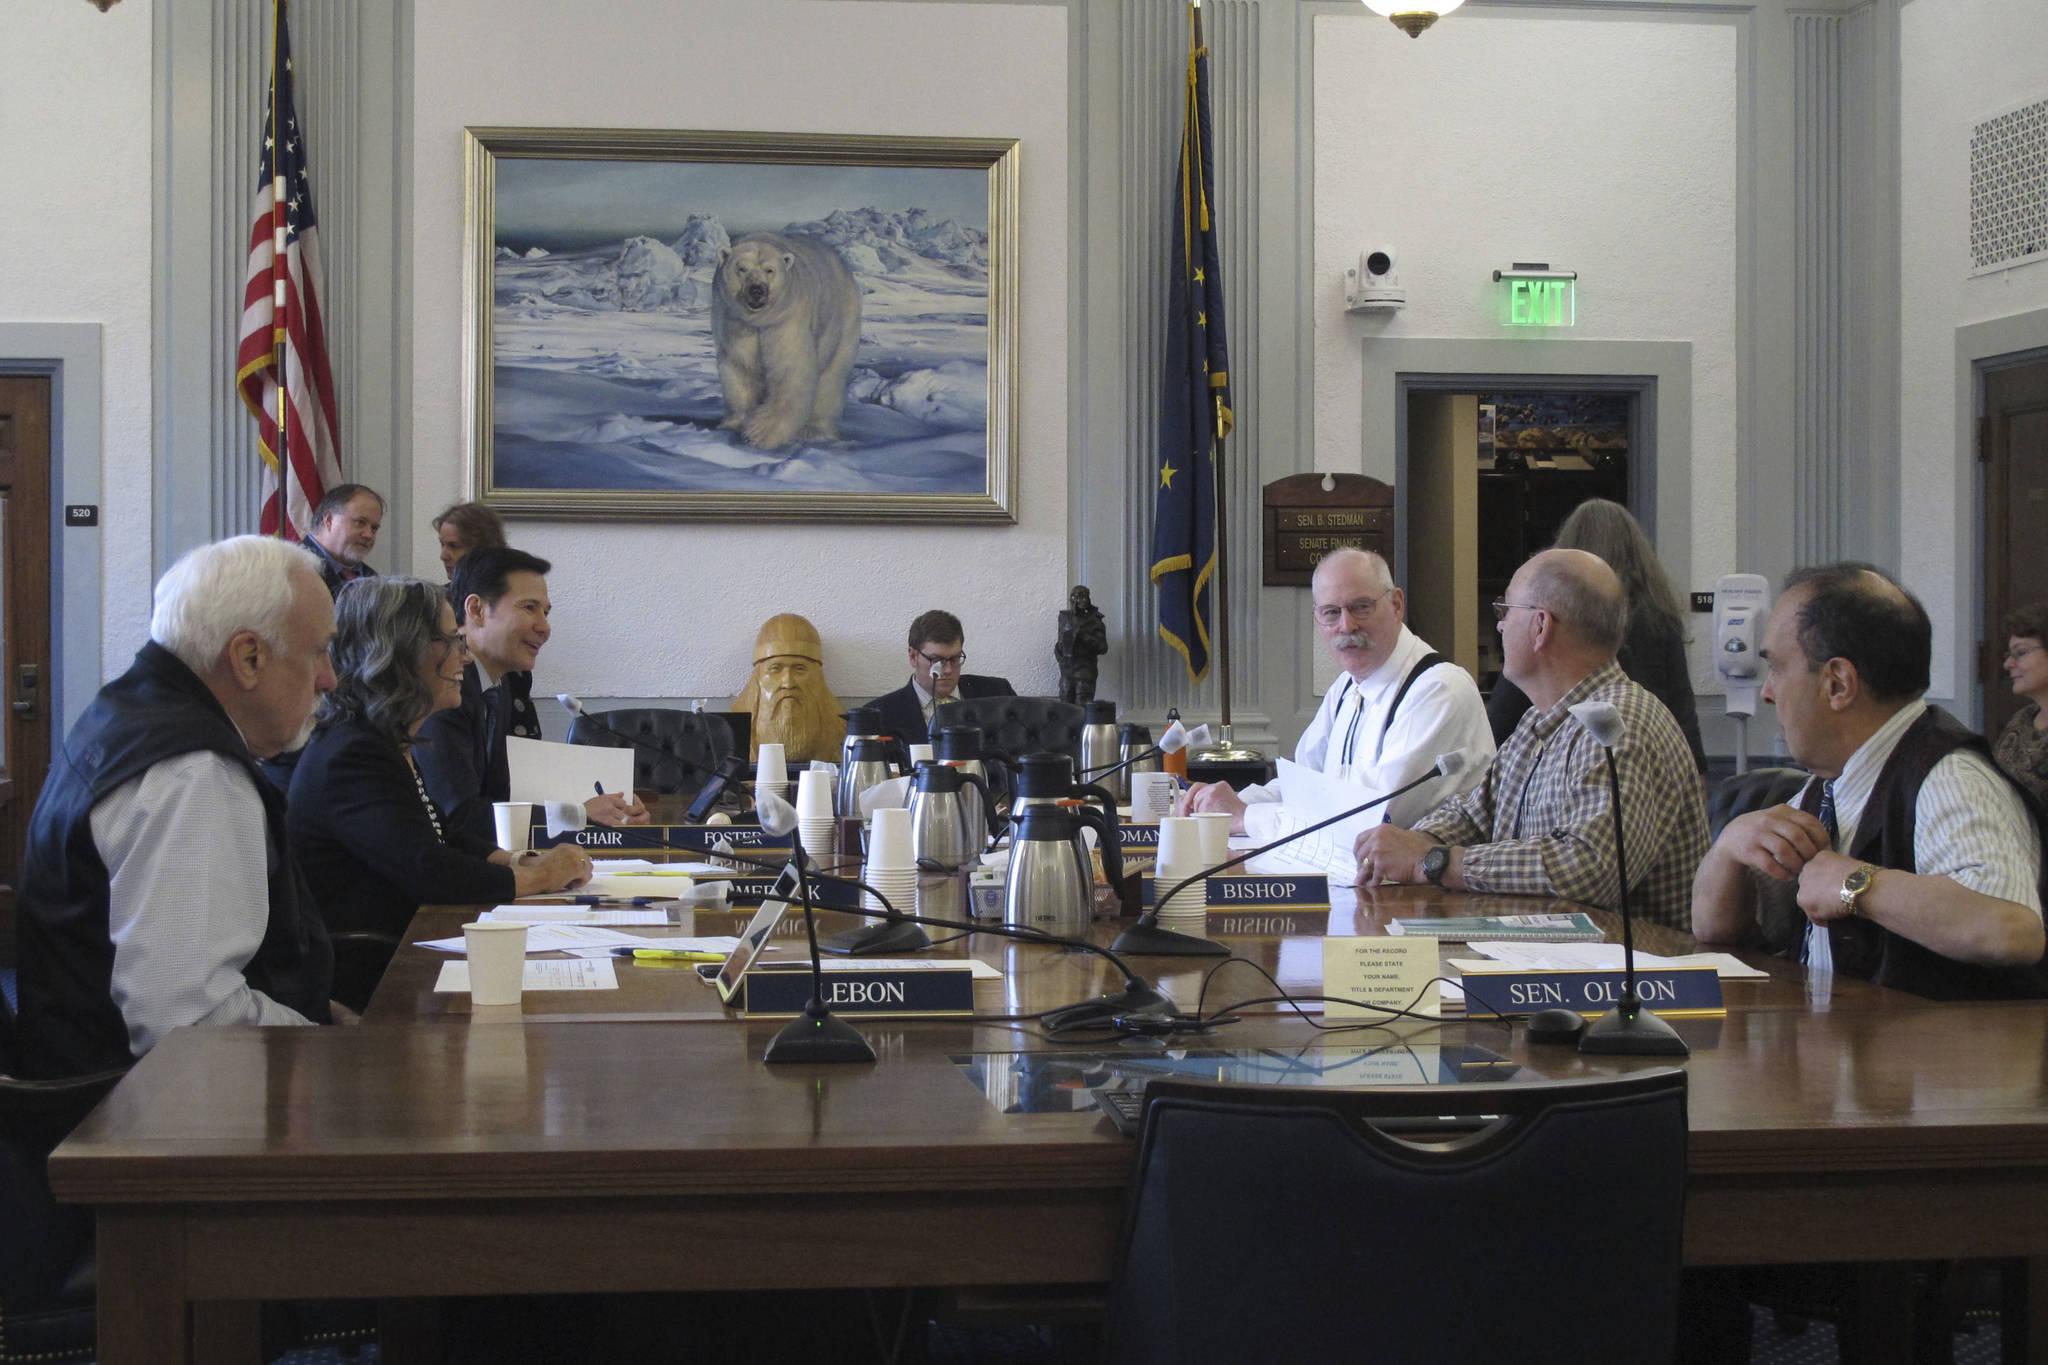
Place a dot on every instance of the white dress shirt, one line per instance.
(188, 897)
(1350, 739)
(1968, 824)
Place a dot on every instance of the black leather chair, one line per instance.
(1274, 1222)
(1014, 726)
(674, 752)
(360, 957)
(1754, 790)
(47, 1286)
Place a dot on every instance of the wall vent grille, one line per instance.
(2009, 189)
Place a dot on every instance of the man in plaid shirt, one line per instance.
(1542, 823)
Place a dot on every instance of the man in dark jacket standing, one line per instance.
(159, 888)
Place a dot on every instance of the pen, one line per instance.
(615, 900)
(667, 955)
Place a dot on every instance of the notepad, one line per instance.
(548, 974)
(1576, 927)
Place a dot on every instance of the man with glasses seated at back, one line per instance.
(1394, 708)
(938, 653)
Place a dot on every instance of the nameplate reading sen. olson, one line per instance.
(1516, 990)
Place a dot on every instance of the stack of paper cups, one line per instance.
(891, 869)
(1180, 856)
(814, 821)
(770, 769)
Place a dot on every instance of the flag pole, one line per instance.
(1226, 749)
(281, 324)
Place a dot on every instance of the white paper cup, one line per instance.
(515, 824)
(1152, 797)
(1180, 846)
(497, 961)
(813, 795)
(769, 765)
(1215, 825)
(889, 846)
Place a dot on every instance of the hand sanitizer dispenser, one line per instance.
(1741, 603)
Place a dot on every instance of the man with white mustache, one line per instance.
(1396, 706)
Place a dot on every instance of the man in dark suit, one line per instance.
(938, 652)
(461, 755)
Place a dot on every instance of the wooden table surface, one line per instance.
(633, 1140)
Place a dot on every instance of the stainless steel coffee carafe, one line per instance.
(959, 746)
(1133, 740)
(945, 836)
(1051, 888)
(862, 722)
(1099, 750)
(867, 765)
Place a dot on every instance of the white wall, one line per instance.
(1961, 61)
(668, 608)
(75, 232)
(1601, 144)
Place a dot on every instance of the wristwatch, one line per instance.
(1860, 879)
(1435, 863)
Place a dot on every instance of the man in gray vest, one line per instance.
(1395, 707)
(1914, 861)
(159, 888)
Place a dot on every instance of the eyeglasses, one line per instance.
(2018, 652)
(1358, 611)
(1502, 608)
(943, 660)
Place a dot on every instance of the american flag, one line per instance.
(282, 361)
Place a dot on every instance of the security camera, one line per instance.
(1375, 284)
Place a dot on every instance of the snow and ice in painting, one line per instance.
(618, 365)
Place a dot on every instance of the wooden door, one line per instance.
(2014, 447)
(24, 623)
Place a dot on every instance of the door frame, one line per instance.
(1979, 346)
(69, 354)
(1985, 642)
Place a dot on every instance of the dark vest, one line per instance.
(157, 710)
(1884, 838)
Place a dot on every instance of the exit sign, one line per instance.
(1533, 295)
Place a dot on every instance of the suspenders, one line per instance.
(1422, 665)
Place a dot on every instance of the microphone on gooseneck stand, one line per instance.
(1628, 1028)
(1147, 938)
(1138, 998)
(816, 1035)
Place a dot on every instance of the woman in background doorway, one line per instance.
(2022, 747)
(464, 527)
(1654, 652)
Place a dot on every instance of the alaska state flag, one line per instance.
(1195, 409)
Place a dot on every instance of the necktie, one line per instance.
(1827, 812)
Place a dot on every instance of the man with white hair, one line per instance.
(160, 888)
(1395, 707)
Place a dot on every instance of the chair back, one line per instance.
(360, 957)
(674, 752)
(1012, 727)
(1274, 1222)
(1757, 789)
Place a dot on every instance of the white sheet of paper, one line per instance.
(574, 914)
(565, 938)
(1592, 957)
(550, 974)
(545, 771)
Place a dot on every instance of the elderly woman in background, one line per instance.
(370, 840)
(2022, 747)
(464, 527)
(1653, 654)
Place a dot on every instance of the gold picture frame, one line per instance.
(651, 317)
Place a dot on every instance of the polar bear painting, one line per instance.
(785, 318)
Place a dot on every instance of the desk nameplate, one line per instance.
(1674, 992)
(781, 990)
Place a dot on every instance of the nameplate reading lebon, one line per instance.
(781, 989)
(1667, 990)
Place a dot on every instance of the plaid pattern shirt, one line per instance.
(1542, 822)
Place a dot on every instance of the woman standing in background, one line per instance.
(1654, 652)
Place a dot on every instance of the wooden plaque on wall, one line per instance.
(1305, 520)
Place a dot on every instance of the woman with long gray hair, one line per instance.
(371, 841)
(1653, 654)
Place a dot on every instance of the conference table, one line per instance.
(633, 1140)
